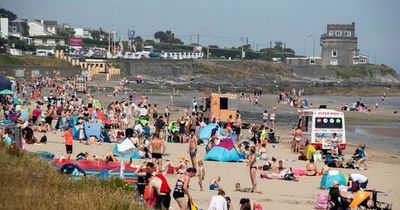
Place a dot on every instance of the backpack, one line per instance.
(43, 139)
(164, 185)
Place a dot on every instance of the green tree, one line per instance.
(7, 14)
(138, 39)
(160, 35)
(167, 37)
(65, 32)
(278, 45)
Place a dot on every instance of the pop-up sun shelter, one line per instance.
(332, 176)
(205, 133)
(225, 151)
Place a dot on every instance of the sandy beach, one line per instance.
(383, 171)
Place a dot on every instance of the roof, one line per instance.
(47, 22)
(224, 95)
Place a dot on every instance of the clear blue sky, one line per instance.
(224, 22)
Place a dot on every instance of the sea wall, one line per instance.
(28, 72)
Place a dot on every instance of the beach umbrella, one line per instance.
(225, 151)
(332, 176)
(205, 133)
(6, 92)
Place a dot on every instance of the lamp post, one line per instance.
(305, 43)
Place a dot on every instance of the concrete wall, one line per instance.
(34, 71)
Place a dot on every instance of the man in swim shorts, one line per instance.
(157, 148)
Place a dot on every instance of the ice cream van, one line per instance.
(323, 128)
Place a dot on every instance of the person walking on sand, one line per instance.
(157, 148)
(69, 141)
(193, 142)
(182, 188)
(298, 133)
(238, 126)
(253, 168)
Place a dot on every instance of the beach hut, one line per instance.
(222, 105)
(225, 151)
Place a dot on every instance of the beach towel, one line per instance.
(127, 144)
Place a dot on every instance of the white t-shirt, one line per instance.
(218, 203)
(142, 111)
(358, 178)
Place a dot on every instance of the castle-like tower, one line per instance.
(339, 45)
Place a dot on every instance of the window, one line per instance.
(338, 33)
(347, 33)
(334, 62)
(223, 103)
(44, 41)
(57, 41)
(14, 29)
(330, 33)
(312, 61)
(334, 53)
(329, 122)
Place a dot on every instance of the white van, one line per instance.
(41, 53)
(147, 50)
(320, 126)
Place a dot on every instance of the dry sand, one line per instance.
(383, 172)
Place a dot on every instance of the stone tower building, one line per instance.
(339, 45)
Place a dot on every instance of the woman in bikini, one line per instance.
(182, 188)
(253, 168)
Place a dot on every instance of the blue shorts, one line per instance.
(213, 186)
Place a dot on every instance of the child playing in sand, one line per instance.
(214, 183)
(240, 189)
(201, 174)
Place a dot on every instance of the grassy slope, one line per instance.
(32, 60)
(29, 182)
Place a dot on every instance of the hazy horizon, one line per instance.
(228, 23)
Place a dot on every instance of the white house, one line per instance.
(81, 32)
(48, 40)
(4, 28)
(42, 27)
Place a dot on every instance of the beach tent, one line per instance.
(225, 151)
(331, 176)
(126, 149)
(93, 129)
(205, 133)
(6, 92)
(75, 132)
(5, 84)
(72, 169)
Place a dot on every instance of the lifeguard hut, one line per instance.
(222, 105)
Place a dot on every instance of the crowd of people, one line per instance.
(54, 105)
